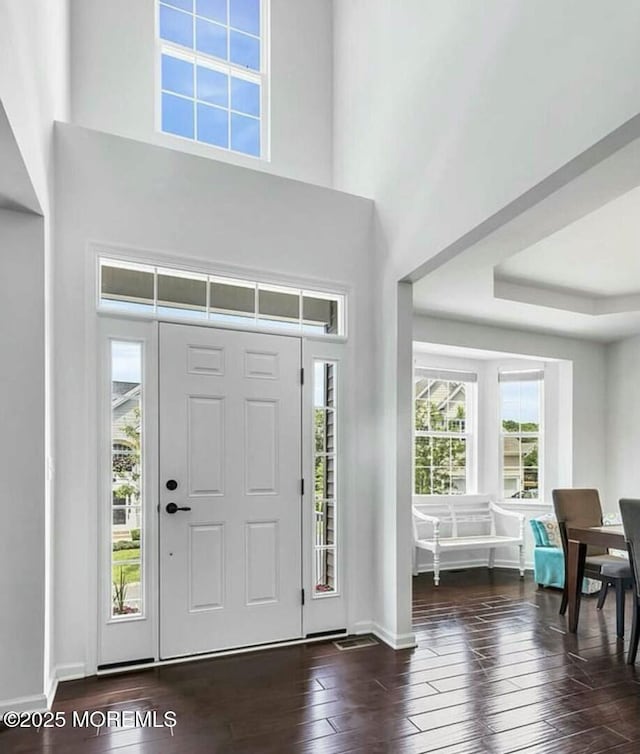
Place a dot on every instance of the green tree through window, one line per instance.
(440, 459)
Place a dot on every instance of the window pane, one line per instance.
(233, 299)
(126, 478)
(423, 481)
(245, 15)
(279, 305)
(177, 75)
(422, 415)
(213, 86)
(177, 115)
(244, 50)
(176, 26)
(325, 523)
(211, 38)
(216, 10)
(129, 285)
(245, 134)
(182, 4)
(182, 292)
(213, 125)
(320, 430)
(423, 451)
(319, 311)
(245, 96)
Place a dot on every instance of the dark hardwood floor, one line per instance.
(494, 672)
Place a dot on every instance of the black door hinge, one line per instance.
(303, 596)
(302, 486)
(302, 376)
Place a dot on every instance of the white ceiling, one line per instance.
(570, 265)
(598, 254)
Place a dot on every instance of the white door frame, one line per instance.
(317, 615)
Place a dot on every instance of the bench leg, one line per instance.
(521, 547)
(415, 561)
(492, 557)
(436, 568)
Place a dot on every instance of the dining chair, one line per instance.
(630, 511)
(581, 508)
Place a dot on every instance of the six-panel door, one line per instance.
(230, 567)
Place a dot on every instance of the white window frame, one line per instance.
(129, 637)
(524, 376)
(255, 323)
(470, 434)
(261, 77)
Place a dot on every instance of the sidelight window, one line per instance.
(126, 515)
(325, 476)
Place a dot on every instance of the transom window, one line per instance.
(442, 432)
(178, 294)
(213, 84)
(521, 396)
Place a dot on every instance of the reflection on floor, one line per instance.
(493, 672)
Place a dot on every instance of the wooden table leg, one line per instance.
(575, 573)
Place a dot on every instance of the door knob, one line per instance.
(173, 508)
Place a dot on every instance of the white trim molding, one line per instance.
(36, 703)
(395, 641)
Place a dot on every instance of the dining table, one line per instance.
(578, 539)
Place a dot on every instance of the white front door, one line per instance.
(230, 563)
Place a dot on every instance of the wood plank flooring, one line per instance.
(494, 671)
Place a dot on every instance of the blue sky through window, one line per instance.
(126, 363)
(214, 106)
(520, 401)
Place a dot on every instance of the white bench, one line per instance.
(453, 526)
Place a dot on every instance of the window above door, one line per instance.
(213, 78)
(166, 293)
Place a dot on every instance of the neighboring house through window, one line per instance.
(213, 77)
(443, 431)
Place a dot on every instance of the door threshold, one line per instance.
(135, 665)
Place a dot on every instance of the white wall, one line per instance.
(22, 447)
(33, 79)
(623, 421)
(447, 111)
(113, 59)
(588, 426)
(122, 192)
(33, 91)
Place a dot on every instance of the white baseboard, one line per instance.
(36, 703)
(71, 672)
(361, 627)
(395, 641)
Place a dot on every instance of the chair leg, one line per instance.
(603, 594)
(620, 608)
(415, 561)
(635, 633)
(565, 600)
(492, 557)
(521, 547)
(436, 568)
